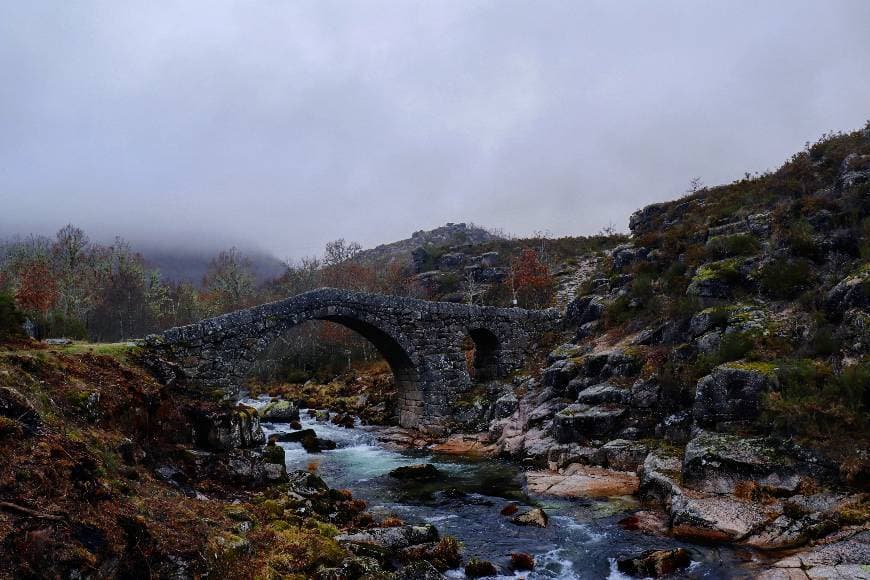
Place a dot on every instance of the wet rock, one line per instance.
(533, 517)
(293, 436)
(318, 444)
(655, 563)
(582, 481)
(579, 422)
(393, 538)
(344, 420)
(510, 509)
(732, 392)
(280, 412)
(520, 561)
(419, 471)
(479, 568)
(419, 571)
(722, 463)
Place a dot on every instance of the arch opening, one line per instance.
(363, 346)
(482, 349)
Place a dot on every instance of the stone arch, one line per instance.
(486, 361)
(399, 352)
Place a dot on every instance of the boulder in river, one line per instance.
(479, 568)
(308, 438)
(654, 563)
(533, 517)
(419, 471)
(521, 561)
(280, 412)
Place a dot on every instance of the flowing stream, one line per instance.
(583, 539)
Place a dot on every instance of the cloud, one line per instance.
(289, 124)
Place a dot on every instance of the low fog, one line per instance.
(283, 125)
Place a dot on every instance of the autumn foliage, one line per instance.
(532, 282)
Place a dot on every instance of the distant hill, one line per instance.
(190, 265)
(448, 235)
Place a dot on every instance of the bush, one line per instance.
(734, 245)
(785, 279)
(11, 318)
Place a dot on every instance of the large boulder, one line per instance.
(280, 412)
(845, 556)
(392, 539)
(722, 463)
(224, 429)
(732, 392)
(418, 471)
(584, 309)
(852, 292)
(579, 422)
(582, 481)
(714, 518)
(655, 563)
(602, 393)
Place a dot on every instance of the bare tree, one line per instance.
(340, 250)
(470, 286)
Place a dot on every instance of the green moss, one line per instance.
(765, 368)
(726, 270)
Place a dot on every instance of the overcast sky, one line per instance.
(285, 124)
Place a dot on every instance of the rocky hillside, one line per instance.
(722, 354)
(107, 472)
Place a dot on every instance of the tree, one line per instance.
(470, 286)
(533, 284)
(72, 255)
(340, 250)
(229, 281)
(37, 291)
(122, 310)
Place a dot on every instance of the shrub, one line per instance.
(11, 318)
(734, 245)
(785, 279)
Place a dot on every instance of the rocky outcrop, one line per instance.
(732, 392)
(223, 429)
(725, 464)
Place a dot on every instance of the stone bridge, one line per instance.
(422, 341)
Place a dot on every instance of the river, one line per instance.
(583, 539)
